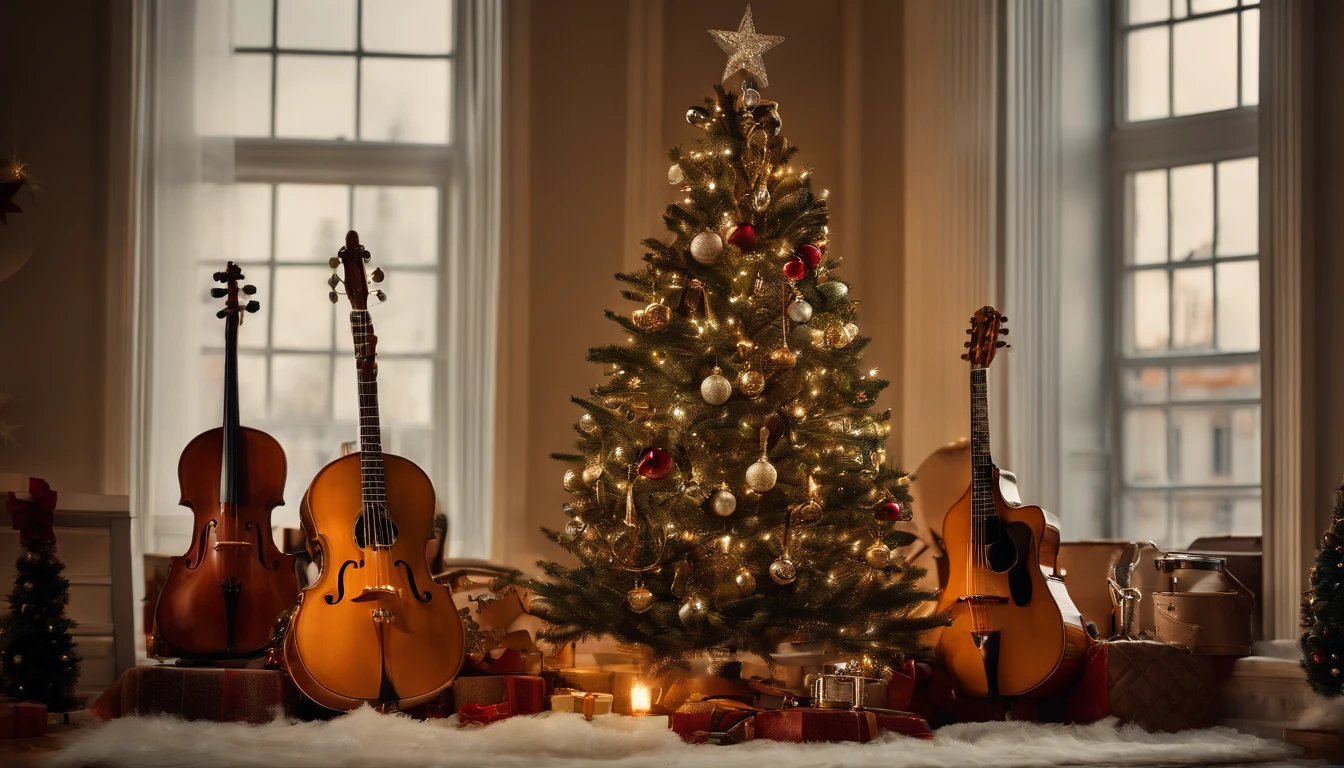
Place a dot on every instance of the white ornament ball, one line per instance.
(587, 423)
(852, 330)
(723, 502)
(800, 311)
(716, 388)
(761, 476)
(707, 247)
(675, 175)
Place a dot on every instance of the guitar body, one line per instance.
(338, 651)
(1041, 639)
(192, 617)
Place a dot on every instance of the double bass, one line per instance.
(223, 596)
(374, 627)
(1015, 632)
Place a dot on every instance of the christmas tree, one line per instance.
(37, 651)
(730, 490)
(1323, 610)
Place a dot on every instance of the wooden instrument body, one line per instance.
(1042, 641)
(339, 651)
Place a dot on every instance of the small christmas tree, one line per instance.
(731, 491)
(37, 651)
(1322, 643)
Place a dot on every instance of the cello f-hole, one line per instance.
(423, 597)
(261, 547)
(200, 545)
(340, 583)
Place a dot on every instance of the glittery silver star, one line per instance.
(744, 48)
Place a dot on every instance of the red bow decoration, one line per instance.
(478, 714)
(33, 518)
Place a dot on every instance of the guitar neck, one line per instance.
(982, 465)
(228, 471)
(370, 431)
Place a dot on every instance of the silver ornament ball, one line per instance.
(751, 98)
(675, 175)
(716, 388)
(575, 527)
(587, 423)
(724, 503)
(800, 311)
(707, 247)
(761, 476)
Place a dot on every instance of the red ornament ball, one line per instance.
(795, 268)
(810, 254)
(655, 463)
(890, 510)
(743, 237)
(1318, 658)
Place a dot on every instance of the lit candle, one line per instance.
(640, 702)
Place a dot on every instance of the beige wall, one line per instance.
(1328, 167)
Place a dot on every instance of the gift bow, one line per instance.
(484, 714)
(33, 518)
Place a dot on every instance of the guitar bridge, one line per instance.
(982, 599)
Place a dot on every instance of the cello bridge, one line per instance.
(377, 592)
(222, 545)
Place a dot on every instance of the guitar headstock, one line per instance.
(351, 259)
(987, 325)
(231, 277)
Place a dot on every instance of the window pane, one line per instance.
(302, 314)
(1145, 385)
(1191, 212)
(1250, 57)
(407, 322)
(1146, 518)
(1150, 217)
(1151, 328)
(311, 221)
(1216, 382)
(253, 333)
(1204, 72)
(300, 386)
(1147, 74)
(251, 23)
(1192, 308)
(326, 25)
(405, 391)
(1141, 11)
(1239, 306)
(252, 94)
(1180, 9)
(1145, 446)
(1207, 514)
(251, 388)
(1206, 6)
(252, 207)
(408, 26)
(315, 97)
(404, 100)
(1216, 444)
(400, 225)
(345, 406)
(1238, 208)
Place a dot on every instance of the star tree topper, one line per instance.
(744, 48)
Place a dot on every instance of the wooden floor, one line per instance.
(23, 753)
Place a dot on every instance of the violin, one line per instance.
(1015, 632)
(374, 627)
(223, 596)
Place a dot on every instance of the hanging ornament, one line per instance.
(783, 571)
(750, 383)
(743, 237)
(576, 526)
(762, 475)
(800, 311)
(783, 357)
(693, 491)
(699, 117)
(795, 268)
(750, 97)
(835, 291)
(716, 388)
(592, 473)
(878, 555)
(1316, 658)
(681, 575)
(707, 247)
(573, 480)
(745, 582)
(810, 511)
(653, 318)
(655, 463)
(852, 330)
(675, 175)
(693, 610)
(640, 599)
(723, 502)
(760, 199)
(837, 337)
(889, 510)
(587, 423)
(810, 254)
(630, 520)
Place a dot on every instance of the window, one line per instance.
(1189, 369)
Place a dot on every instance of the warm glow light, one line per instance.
(640, 699)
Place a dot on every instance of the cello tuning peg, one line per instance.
(969, 331)
(1003, 318)
(221, 313)
(332, 296)
(249, 289)
(367, 256)
(217, 293)
(381, 296)
(221, 277)
(333, 281)
(334, 262)
(1003, 331)
(377, 275)
(253, 306)
(1001, 344)
(966, 344)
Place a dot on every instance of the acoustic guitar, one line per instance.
(374, 627)
(1014, 632)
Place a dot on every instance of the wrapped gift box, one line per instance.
(525, 693)
(719, 720)
(22, 719)
(199, 693)
(802, 724)
(1156, 686)
(670, 691)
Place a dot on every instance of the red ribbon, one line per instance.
(484, 714)
(33, 518)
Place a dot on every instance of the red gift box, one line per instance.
(22, 719)
(700, 722)
(525, 693)
(476, 714)
(199, 693)
(807, 724)
(904, 723)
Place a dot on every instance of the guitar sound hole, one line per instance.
(1002, 554)
(375, 528)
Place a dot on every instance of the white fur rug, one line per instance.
(365, 738)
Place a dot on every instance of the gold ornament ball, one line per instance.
(576, 526)
(723, 502)
(837, 337)
(745, 582)
(808, 512)
(640, 599)
(783, 571)
(716, 388)
(761, 476)
(653, 318)
(751, 383)
(17, 659)
(573, 480)
(592, 473)
(878, 555)
(783, 357)
(693, 610)
(587, 423)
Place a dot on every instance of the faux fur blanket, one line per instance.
(563, 740)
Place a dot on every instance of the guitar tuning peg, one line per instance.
(1003, 331)
(221, 313)
(965, 357)
(1003, 318)
(253, 306)
(367, 256)
(221, 277)
(969, 331)
(249, 289)
(381, 296)
(378, 275)
(966, 344)
(217, 293)
(332, 296)
(333, 281)
(334, 262)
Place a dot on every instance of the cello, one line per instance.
(1015, 632)
(374, 627)
(222, 597)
